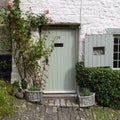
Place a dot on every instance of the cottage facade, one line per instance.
(87, 30)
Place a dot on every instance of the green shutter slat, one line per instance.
(99, 40)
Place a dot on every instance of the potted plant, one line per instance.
(34, 94)
(86, 98)
(19, 88)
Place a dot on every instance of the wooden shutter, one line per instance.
(99, 50)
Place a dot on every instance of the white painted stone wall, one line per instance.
(60, 10)
(98, 15)
(95, 16)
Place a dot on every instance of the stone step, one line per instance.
(60, 102)
(59, 95)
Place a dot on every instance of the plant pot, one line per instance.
(19, 95)
(33, 96)
(86, 101)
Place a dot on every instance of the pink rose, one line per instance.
(8, 12)
(51, 20)
(10, 3)
(47, 11)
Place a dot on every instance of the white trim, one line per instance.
(59, 95)
(116, 68)
(59, 91)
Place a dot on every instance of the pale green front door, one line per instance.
(61, 72)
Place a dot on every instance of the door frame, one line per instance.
(76, 27)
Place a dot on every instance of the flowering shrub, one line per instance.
(47, 11)
(10, 3)
(26, 50)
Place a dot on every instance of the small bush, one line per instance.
(105, 82)
(6, 101)
(34, 88)
(17, 86)
(24, 84)
(85, 92)
(9, 89)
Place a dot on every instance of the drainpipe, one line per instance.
(80, 28)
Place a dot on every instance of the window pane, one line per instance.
(115, 64)
(115, 48)
(119, 48)
(116, 53)
(115, 40)
(119, 40)
(119, 64)
(119, 56)
(115, 56)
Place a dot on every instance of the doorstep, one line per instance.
(60, 100)
(62, 95)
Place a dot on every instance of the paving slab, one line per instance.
(56, 109)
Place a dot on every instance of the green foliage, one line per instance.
(26, 50)
(24, 84)
(34, 88)
(6, 101)
(3, 64)
(2, 83)
(2, 15)
(35, 20)
(16, 85)
(9, 89)
(105, 82)
(100, 113)
(85, 92)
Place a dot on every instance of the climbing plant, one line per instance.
(27, 50)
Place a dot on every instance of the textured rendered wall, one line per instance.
(99, 15)
(95, 16)
(61, 10)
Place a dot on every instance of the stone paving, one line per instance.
(53, 108)
(50, 109)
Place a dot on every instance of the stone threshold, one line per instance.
(59, 95)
